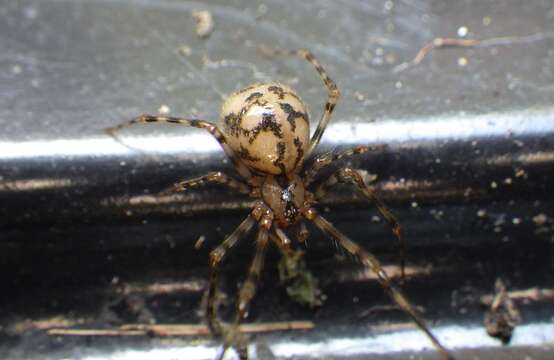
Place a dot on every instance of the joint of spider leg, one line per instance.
(266, 221)
(360, 150)
(284, 239)
(303, 233)
(397, 230)
(149, 118)
(206, 125)
(246, 294)
(305, 53)
(347, 172)
(217, 177)
(383, 277)
(259, 209)
(311, 214)
(373, 263)
(351, 174)
(309, 199)
(255, 192)
(334, 91)
(324, 160)
(216, 256)
(138, 119)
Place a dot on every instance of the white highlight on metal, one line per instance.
(453, 337)
(186, 352)
(106, 146)
(344, 133)
(458, 126)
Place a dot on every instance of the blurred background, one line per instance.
(85, 242)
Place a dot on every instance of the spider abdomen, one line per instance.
(267, 126)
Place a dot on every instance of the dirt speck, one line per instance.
(204, 23)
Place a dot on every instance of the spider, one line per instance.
(264, 130)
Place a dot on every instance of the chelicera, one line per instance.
(264, 130)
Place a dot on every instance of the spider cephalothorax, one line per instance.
(265, 133)
(286, 198)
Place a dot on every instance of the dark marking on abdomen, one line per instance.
(292, 115)
(253, 96)
(244, 154)
(299, 151)
(268, 123)
(281, 147)
(277, 90)
(233, 123)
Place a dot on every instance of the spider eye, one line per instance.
(286, 195)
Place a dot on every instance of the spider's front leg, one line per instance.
(371, 261)
(351, 176)
(201, 124)
(333, 92)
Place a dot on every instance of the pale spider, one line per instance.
(266, 135)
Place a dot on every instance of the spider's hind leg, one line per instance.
(231, 336)
(216, 257)
(351, 176)
(371, 262)
(246, 293)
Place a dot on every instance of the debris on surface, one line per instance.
(502, 316)
(540, 219)
(185, 50)
(180, 329)
(526, 296)
(299, 282)
(543, 223)
(204, 23)
(198, 244)
(164, 109)
(445, 42)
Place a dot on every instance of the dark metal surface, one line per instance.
(468, 169)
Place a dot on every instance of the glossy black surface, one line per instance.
(468, 170)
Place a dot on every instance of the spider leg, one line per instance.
(216, 257)
(351, 176)
(284, 243)
(371, 261)
(302, 233)
(247, 292)
(328, 158)
(213, 177)
(284, 249)
(333, 92)
(201, 124)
